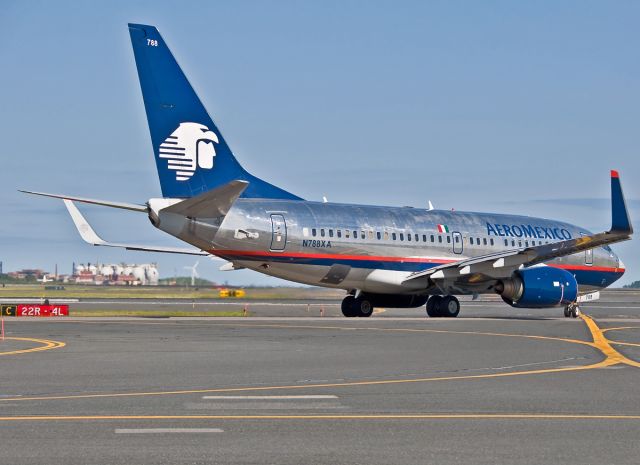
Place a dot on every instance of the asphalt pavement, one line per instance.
(286, 386)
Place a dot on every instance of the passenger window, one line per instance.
(393, 236)
(346, 234)
(440, 239)
(362, 235)
(526, 243)
(386, 235)
(409, 237)
(402, 236)
(313, 232)
(322, 232)
(424, 238)
(506, 242)
(331, 233)
(371, 235)
(355, 234)
(471, 240)
(448, 239)
(491, 240)
(378, 235)
(416, 238)
(519, 243)
(432, 238)
(339, 233)
(484, 240)
(513, 243)
(305, 232)
(457, 239)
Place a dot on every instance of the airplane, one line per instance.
(398, 257)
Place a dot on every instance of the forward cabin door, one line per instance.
(278, 232)
(588, 254)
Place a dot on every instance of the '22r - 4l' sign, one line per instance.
(42, 310)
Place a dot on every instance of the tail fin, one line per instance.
(191, 155)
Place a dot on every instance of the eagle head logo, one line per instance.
(190, 146)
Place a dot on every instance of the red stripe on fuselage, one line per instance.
(438, 261)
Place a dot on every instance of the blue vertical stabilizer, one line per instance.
(191, 155)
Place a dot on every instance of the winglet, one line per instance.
(620, 222)
(89, 235)
(82, 225)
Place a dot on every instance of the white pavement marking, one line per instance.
(167, 430)
(270, 397)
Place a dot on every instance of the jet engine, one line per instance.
(539, 287)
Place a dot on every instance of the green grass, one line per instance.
(74, 291)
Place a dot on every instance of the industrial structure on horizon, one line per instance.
(121, 274)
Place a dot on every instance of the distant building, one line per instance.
(116, 274)
(27, 273)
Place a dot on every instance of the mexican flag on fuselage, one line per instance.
(443, 228)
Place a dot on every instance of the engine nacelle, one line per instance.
(539, 287)
(396, 300)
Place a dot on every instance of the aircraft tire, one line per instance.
(449, 307)
(362, 307)
(567, 311)
(575, 311)
(348, 306)
(433, 306)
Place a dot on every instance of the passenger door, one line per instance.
(278, 232)
(588, 254)
(457, 242)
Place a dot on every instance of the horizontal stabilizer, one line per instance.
(210, 204)
(106, 203)
(89, 235)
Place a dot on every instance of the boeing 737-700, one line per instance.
(381, 256)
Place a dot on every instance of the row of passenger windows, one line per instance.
(409, 237)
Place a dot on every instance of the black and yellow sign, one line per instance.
(8, 310)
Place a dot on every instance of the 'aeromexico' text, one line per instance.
(527, 230)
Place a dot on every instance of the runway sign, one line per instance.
(42, 310)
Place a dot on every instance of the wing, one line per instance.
(502, 264)
(89, 235)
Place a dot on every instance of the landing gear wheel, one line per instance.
(433, 306)
(362, 307)
(575, 311)
(348, 306)
(567, 311)
(449, 307)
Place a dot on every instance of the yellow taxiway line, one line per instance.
(46, 345)
(409, 416)
(600, 342)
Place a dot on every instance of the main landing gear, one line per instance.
(572, 310)
(360, 306)
(443, 306)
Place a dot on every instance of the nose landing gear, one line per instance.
(572, 310)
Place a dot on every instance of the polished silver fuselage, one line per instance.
(374, 249)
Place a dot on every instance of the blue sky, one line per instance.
(515, 107)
